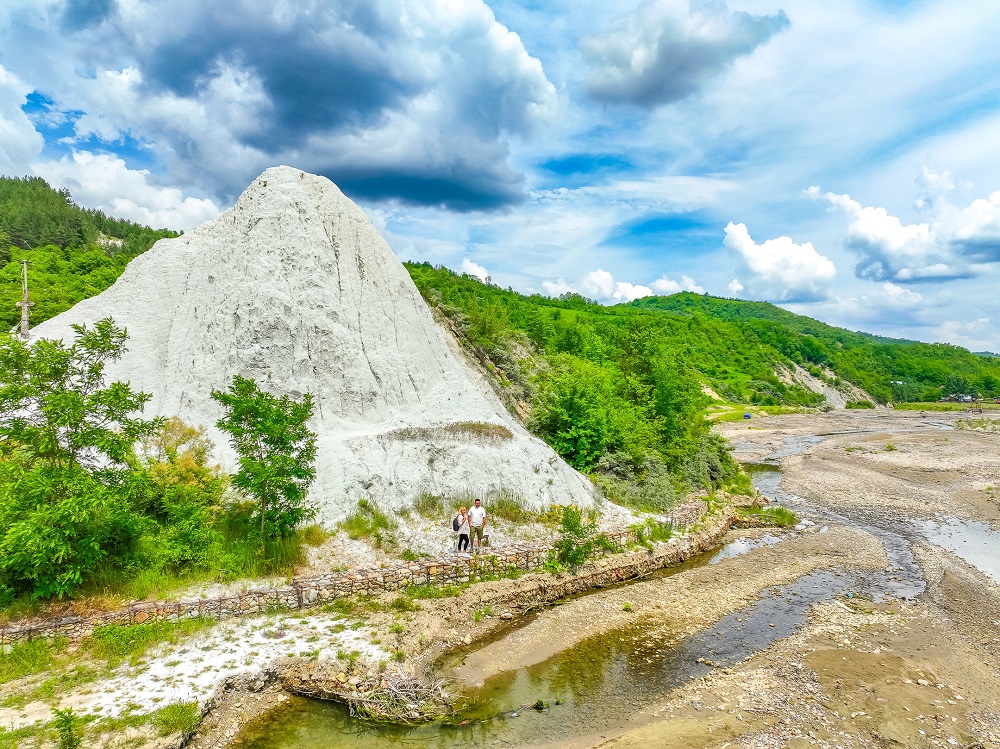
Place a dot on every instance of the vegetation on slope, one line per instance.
(889, 369)
(615, 391)
(93, 495)
(73, 253)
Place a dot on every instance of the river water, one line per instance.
(594, 685)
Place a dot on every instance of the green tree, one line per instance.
(66, 460)
(276, 452)
(55, 407)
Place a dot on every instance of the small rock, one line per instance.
(467, 640)
(923, 682)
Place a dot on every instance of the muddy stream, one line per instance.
(594, 685)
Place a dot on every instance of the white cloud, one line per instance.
(951, 243)
(627, 292)
(20, 143)
(975, 335)
(598, 284)
(99, 181)
(474, 269)
(779, 269)
(557, 288)
(601, 285)
(664, 285)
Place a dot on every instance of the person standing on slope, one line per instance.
(477, 519)
(461, 524)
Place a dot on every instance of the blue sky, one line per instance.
(841, 159)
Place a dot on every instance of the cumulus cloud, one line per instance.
(470, 268)
(99, 181)
(664, 285)
(666, 50)
(20, 143)
(598, 284)
(949, 244)
(403, 100)
(779, 269)
(557, 288)
(602, 286)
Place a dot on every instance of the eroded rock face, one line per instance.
(294, 287)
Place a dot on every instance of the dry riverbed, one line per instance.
(920, 673)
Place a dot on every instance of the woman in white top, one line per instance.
(463, 529)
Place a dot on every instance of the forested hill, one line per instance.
(73, 253)
(734, 346)
(890, 369)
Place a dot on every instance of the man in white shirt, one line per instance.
(477, 518)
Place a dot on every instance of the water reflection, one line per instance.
(977, 543)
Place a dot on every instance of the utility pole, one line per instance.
(24, 304)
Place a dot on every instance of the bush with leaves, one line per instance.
(578, 540)
(67, 460)
(184, 495)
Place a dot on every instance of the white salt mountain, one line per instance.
(295, 288)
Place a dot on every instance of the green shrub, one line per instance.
(578, 540)
(862, 404)
(181, 717)
(367, 520)
(67, 725)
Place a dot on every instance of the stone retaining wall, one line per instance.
(306, 592)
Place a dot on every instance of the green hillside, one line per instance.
(73, 253)
(890, 369)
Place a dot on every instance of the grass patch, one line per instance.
(367, 520)
(429, 506)
(508, 507)
(28, 657)
(433, 591)
(181, 717)
(935, 406)
(862, 404)
(780, 517)
(459, 430)
(981, 424)
(343, 606)
(404, 603)
(313, 535)
(116, 642)
(19, 737)
(66, 681)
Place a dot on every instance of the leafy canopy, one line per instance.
(55, 407)
(66, 460)
(276, 450)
